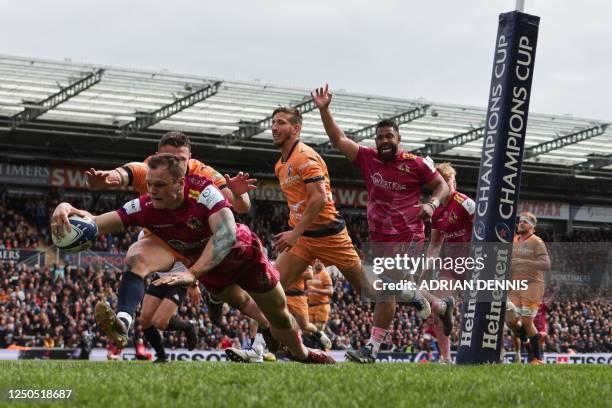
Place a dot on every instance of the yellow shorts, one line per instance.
(528, 301)
(319, 313)
(297, 305)
(334, 250)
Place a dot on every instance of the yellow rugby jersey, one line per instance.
(302, 166)
(531, 249)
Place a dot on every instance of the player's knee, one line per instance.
(145, 321)
(240, 300)
(136, 261)
(282, 320)
(160, 322)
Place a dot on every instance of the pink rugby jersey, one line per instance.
(454, 220)
(394, 188)
(184, 228)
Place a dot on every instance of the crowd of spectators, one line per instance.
(52, 306)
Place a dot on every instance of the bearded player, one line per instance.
(530, 260)
(394, 180)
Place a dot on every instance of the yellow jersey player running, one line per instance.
(529, 262)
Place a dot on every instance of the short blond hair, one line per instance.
(446, 170)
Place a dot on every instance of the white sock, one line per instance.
(441, 307)
(408, 296)
(126, 317)
(375, 346)
(259, 344)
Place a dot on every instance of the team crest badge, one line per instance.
(195, 224)
(404, 168)
(408, 155)
(452, 217)
(194, 194)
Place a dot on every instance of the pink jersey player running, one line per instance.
(394, 180)
(194, 218)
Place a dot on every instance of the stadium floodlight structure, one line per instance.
(439, 146)
(37, 109)
(369, 131)
(565, 140)
(166, 111)
(125, 95)
(249, 129)
(593, 162)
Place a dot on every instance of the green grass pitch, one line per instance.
(184, 384)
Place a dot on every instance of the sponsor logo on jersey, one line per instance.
(210, 196)
(469, 205)
(378, 180)
(132, 207)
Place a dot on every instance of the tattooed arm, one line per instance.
(223, 227)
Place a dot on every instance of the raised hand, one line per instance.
(240, 183)
(322, 97)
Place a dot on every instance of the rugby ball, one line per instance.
(82, 235)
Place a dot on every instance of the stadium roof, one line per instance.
(126, 104)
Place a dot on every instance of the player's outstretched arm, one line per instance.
(107, 222)
(238, 189)
(223, 226)
(322, 98)
(59, 218)
(105, 179)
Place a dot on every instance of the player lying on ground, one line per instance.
(235, 189)
(192, 216)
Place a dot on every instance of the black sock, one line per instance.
(154, 338)
(522, 333)
(178, 324)
(535, 346)
(131, 292)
